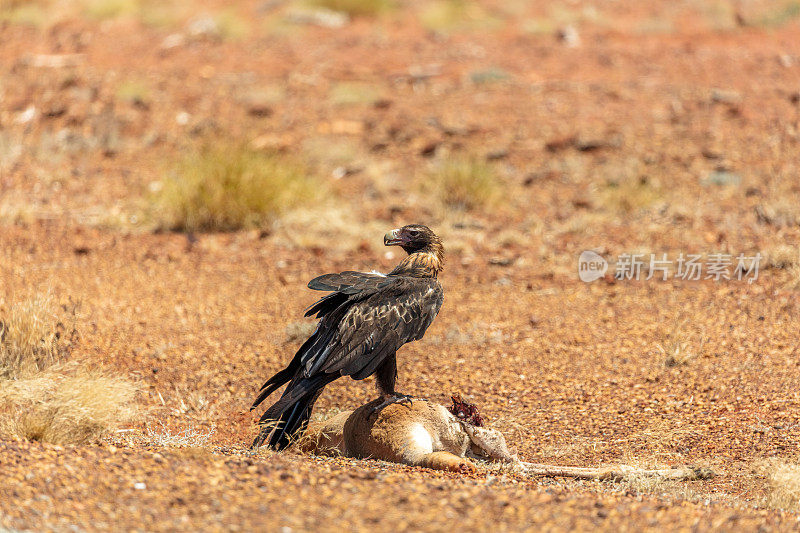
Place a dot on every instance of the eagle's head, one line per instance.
(425, 251)
(412, 238)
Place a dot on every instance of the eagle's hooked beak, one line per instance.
(392, 238)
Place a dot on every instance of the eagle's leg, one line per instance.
(386, 377)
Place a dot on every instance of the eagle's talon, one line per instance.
(403, 398)
(394, 398)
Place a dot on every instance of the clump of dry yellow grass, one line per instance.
(46, 13)
(30, 340)
(782, 256)
(794, 278)
(783, 485)
(41, 396)
(67, 409)
(780, 211)
(630, 195)
(466, 184)
(355, 7)
(446, 16)
(677, 347)
(226, 188)
(165, 437)
(346, 93)
(787, 258)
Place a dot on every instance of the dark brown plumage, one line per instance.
(363, 322)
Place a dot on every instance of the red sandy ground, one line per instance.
(571, 372)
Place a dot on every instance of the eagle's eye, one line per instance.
(414, 233)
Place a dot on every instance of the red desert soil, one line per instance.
(664, 130)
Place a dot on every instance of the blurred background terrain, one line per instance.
(173, 173)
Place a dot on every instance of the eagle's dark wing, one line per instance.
(344, 280)
(362, 324)
(368, 319)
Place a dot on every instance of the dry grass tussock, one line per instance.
(355, 7)
(445, 16)
(348, 93)
(782, 256)
(677, 348)
(46, 13)
(31, 337)
(794, 278)
(165, 437)
(780, 211)
(227, 188)
(630, 195)
(67, 409)
(783, 484)
(785, 257)
(42, 396)
(466, 184)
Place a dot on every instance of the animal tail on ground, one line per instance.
(289, 416)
